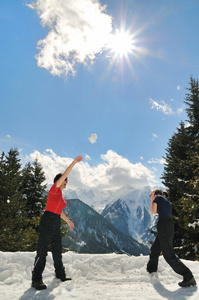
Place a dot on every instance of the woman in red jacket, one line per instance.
(50, 233)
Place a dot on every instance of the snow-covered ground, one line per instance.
(95, 276)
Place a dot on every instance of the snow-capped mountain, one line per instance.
(94, 234)
(129, 211)
(94, 198)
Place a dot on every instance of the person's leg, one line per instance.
(56, 248)
(39, 264)
(165, 235)
(43, 244)
(152, 264)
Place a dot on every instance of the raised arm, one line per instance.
(153, 205)
(67, 171)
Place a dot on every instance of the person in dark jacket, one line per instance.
(50, 232)
(164, 240)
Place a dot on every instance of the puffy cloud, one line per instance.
(78, 30)
(112, 173)
(178, 87)
(120, 171)
(52, 164)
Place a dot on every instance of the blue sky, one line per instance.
(62, 80)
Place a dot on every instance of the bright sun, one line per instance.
(121, 43)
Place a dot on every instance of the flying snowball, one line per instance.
(93, 138)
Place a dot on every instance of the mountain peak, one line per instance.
(94, 234)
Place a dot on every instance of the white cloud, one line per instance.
(162, 106)
(8, 136)
(93, 138)
(179, 111)
(154, 169)
(112, 173)
(157, 161)
(87, 157)
(78, 30)
(155, 135)
(178, 87)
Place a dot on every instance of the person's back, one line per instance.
(164, 208)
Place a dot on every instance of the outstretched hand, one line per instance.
(71, 225)
(78, 158)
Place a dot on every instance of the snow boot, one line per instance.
(151, 269)
(152, 266)
(39, 285)
(187, 283)
(64, 278)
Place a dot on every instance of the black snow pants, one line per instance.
(49, 239)
(164, 243)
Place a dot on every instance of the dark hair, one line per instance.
(165, 194)
(158, 192)
(57, 177)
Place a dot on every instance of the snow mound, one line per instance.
(95, 276)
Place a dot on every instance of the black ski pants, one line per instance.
(164, 243)
(49, 239)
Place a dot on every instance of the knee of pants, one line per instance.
(169, 256)
(42, 253)
(57, 254)
(56, 248)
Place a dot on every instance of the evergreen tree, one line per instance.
(12, 204)
(4, 202)
(192, 101)
(2, 180)
(35, 195)
(176, 175)
(23, 198)
(180, 175)
(189, 203)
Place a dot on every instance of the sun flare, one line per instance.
(121, 43)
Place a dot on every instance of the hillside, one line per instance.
(94, 234)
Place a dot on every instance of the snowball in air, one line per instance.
(93, 138)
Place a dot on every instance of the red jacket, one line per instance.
(55, 202)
